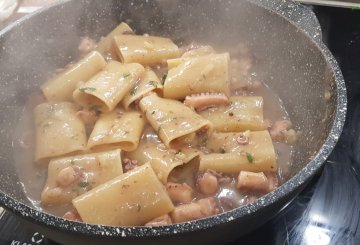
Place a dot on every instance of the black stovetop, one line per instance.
(327, 212)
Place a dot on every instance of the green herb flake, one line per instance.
(133, 91)
(83, 184)
(355, 8)
(178, 152)
(164, 77)
(153, 83)
(72, 162)
(87, 89)
(126, 75)
(222, 150)
(249, 157)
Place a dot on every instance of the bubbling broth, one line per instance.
(142, 132)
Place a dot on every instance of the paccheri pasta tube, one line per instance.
(171, 119)
(58, 130)
(242, 113)
(70, 177)
(106, 44)
(249, 151)
(200, 51)
(131, 199)
(208, 73)
(61, 87)
(146, 50)
(107, 88)
(149, 82)
(117, 129)
(162, 160)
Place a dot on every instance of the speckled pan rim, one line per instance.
(56, 223)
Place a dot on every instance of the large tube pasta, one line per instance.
(117, 129)
(108, 87)
(106, 45)
(172, 119)
(200, 51)
(58, 130)
(70, 177)
(63, 85)
(131, 199)
(146, 50)
(208, 73)
(243, 113)
(162, 160)
(149, 82)
(248, 151)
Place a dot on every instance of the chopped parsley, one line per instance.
(153, 83)
(249, 157)
(84, 184)
(133, 91)
(85, 89)
(72, 162)
(126, 75)
(164, 77)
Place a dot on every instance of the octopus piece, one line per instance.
(267, 124)
(208, 206)
(72, 215)
(195, 210)
(204, 101)
(222, 179)
(130, 164)
(89, 117)
(251, 199)
(68, 176)
(243, 138)
(273, 180)
(207, 183)
(281, 132)
(86, 45)
(160, 221)
(253, 182)
(179, 193)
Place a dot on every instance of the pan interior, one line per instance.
(286, 60)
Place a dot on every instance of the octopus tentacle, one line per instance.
(204, 101)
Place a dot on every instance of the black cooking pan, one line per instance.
(291, 59)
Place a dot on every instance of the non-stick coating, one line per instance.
(295, 64)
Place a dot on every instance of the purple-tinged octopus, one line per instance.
(204, 101)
